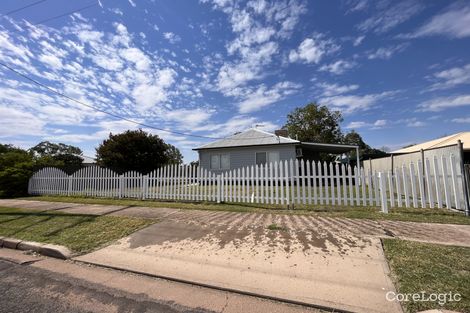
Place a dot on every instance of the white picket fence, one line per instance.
(284, 183)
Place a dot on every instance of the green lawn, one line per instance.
(418, 267)
(400, 214)
(78, 232)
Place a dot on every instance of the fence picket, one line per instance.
(302, 173)
(437, 183)
(356, 185)
(326, 185)
(351, 195)
(320, 183)
(281, 182)
(292, 185)
(406, 190)
(345, 193)
(390, 188)
(446, 182)
(363, 186)
(421, 184)
(297, 180)
(286, 172)
(413, 185)
(427, 170)
(314, 174)
(309, 181)
(453, 173)
(276, 182)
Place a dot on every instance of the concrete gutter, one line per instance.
(55, 251)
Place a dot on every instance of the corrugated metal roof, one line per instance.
(250, 137)
(438, 143)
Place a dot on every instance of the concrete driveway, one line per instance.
(299, 258)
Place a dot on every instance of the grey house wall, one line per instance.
(245, 156)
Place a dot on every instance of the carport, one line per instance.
(311, 149)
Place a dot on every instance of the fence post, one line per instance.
(69, 185)
(219, 188)
(120, 186)
(383, 193)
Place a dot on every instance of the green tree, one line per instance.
(135, 150)
(45, 148)
(353, 138)
(16, 166)
(173, 154)
(314, 123)
(60, 155)
(365, 151)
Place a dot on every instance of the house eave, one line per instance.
(245, 146)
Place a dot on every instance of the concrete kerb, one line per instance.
(237, 291)
(55, 251)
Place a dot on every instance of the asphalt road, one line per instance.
(28, 289)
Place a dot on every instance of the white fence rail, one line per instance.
(436, 184)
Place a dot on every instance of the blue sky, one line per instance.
(399, 71)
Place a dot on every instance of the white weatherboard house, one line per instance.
(256, 147)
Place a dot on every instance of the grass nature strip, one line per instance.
(399, 214)
(79, 232)
(430, 268)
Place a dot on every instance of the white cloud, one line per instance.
(117, 11)
(172, 37)
(386, 53)
(135, 55)
(232, 75)
(353, 103)
(53, 61)
(335, 89)
(132, 3)
(73, 138)
(464, 120)
(451, 77)
(338, 67)
(390, 14)
(262, 96)
(311, 50)
(357, 5)
(356, 125)
(111, 63)
(257, 26)
(444, 103)
(415, 123)
(188, 117)
(378, 124)
(16, 122)
(453, 23)
(148, 95)
(358, 40)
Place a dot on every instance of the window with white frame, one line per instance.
(267, 157)
(220, 161)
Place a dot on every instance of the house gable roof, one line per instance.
(250, 137)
